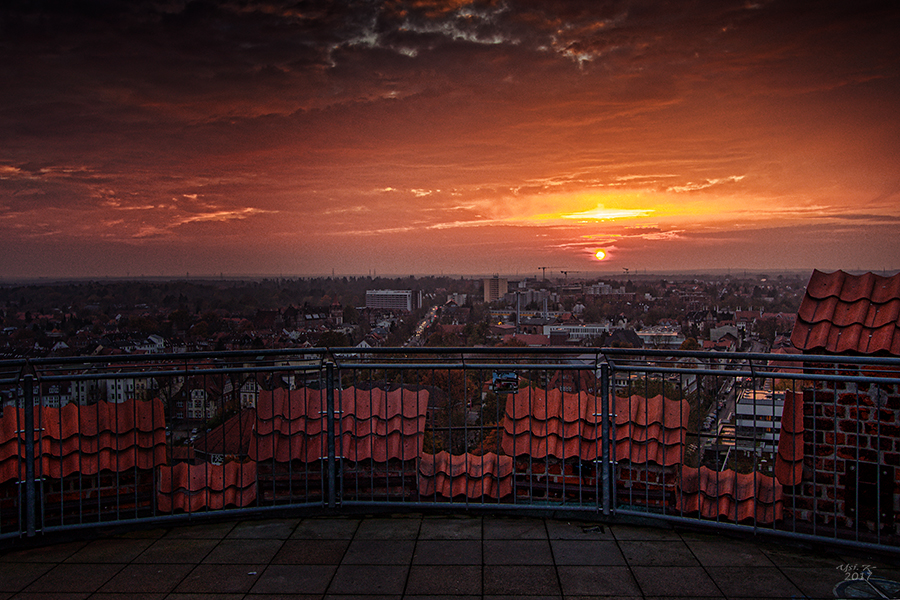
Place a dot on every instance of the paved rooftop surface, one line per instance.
(423, 556)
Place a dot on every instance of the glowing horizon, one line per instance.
(464, 136)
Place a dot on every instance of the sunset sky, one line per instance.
(469, 137)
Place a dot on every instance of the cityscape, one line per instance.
(449, 299)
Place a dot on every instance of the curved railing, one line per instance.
(790, 445)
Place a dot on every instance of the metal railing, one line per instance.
(800, 446)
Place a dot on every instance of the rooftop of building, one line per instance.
(415, 555)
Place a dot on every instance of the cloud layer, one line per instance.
(464, 136)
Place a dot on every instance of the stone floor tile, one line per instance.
(111, 550)
(273, 529)
(311, 552)
(753, 582)
(73, 577)
(445, 580)
(689, 582)
(715, 551)
(520, 580)
(814, 582)
(577, 530)
(388, 529)
(673, 553)
(448, 552)
(149, 578)
(221, 579)
(635, 532)
(243, 551)
(205, 530)
(45, 554)
(326, 528)
(369, 579)
(286, 579)
(531, 597)
(55, 596)
(177, 550)
(118, 596)
(379, 552)
(586, 552)
(17, 576)
(508, 528)
(360, 597)
(178, 596)
(451, 528)
(784, 555)
(517, 552)
(591, 581)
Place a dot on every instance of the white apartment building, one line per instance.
(390, 299)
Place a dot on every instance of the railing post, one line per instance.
(604, 437)
(28, 425)
(329, 409)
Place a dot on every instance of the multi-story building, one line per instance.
(495, 288)
(757, 418)
(390, 299)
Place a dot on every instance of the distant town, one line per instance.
(752, 312)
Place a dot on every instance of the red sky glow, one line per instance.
(164, 137)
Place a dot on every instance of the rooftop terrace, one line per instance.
(500, 441)
(415, 555)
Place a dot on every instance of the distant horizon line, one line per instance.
(579, 275)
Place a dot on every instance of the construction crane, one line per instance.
(544, 271)
(566, 273)
(625, 269)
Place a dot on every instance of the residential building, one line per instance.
(390, 299)
(495, 288)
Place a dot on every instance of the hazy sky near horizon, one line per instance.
(422, 136)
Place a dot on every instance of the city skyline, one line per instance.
(425, 136)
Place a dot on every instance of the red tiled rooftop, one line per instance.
(843, 313)
(374, 424)
(86, 439)
(789, 460)
(191, 488)
(564, 425)
(729, 495)
(467, 475)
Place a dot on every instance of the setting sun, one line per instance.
(600, 254)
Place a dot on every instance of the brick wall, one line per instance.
(851, 468)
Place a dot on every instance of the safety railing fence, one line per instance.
(799, 446)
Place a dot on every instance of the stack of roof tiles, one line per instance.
(729, 495)
(449, 476)
(553, 423)
(789, 460)
(854, 314)
(85, 439)
(191, 488)
(651, 429)
(371, 425)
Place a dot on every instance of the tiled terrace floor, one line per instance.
(422, 556)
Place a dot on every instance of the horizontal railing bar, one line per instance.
(476, 366)
(176, 372)
(763, 375)
(641, 354)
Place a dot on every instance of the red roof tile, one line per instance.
(789, 460)
(374, 424)
(86, 439)
(651, 430)
(554, 423)
(467, 475)
(231, 438)
(854, 314)
(191, 488)
(729, 495)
